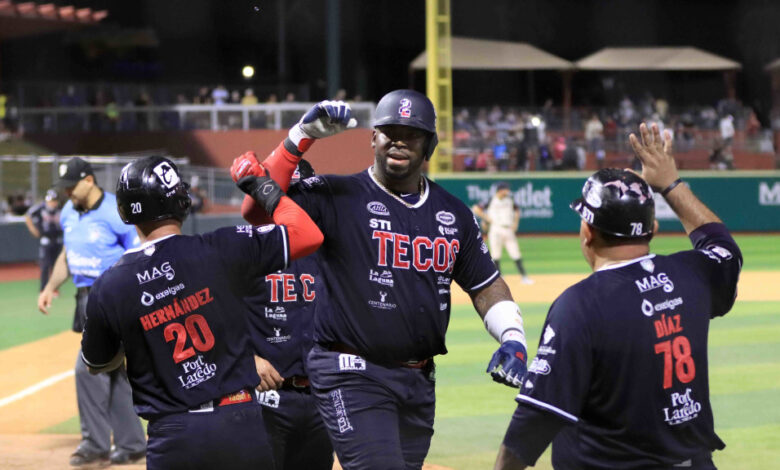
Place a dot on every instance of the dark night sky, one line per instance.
(207, 41)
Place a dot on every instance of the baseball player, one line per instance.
(620, 377)
(394, 241)
(94, 239)
(43, 222)
(173, 307)
(281, 326)
(502, 215)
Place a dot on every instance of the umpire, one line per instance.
(94, 239)
(620, 378)
(43, 222)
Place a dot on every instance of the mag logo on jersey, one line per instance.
(165, 269)
(377, 208)
(652, 282)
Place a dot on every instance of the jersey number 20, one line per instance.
(196, 327)
(684, 367)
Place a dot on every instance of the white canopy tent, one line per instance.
(656, 58)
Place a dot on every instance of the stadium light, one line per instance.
(248, 71)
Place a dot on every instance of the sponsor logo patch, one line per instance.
(164, 270)
(277, 313)
(147, 299)
(342, 420)
(196, 372)
(648, 308)
(683, 408)
(271, 399)
(384, 278)
(647, 265)
(349, 362)
(445, 218)
(652, 282)
(549, 334)
(377, 208)
(278, 337)
(447, 230)
(166, 174)
(539, 366)
(443, 280)
(381, 302)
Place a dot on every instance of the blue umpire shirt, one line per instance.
(94, 239)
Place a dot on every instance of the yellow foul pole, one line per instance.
(439, 80)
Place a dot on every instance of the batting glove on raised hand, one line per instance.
(324, 119)
(508, 365)
(246, 165)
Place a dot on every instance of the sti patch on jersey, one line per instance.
(179, 316)
(629, 345)
(388, 264)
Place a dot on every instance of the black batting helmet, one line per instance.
(408, 108)
(617, 202)
(150, 189)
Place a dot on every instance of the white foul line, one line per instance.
(34, 388)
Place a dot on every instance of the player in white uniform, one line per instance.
(502, 215)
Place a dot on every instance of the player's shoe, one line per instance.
(527, 280)
(83, 458)
(121, 457)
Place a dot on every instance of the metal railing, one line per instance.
(173, 117)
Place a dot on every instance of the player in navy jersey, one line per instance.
(281, 326)
(620, 377)
(394, 242)
(173, 307)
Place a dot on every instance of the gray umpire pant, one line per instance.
(105, 403)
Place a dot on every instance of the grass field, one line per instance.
(473, 412)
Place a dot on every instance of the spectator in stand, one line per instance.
(594, 134)
(727, 130)
(3, 103)
(341, 95)
(662, 107)
(249, 98)
(753, 125)
(235, 97)
(686, 129)
(289, 97)
(569, 158)
(203, 96)
(219, 95)
(559, 147)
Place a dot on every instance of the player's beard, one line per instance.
(399, 170)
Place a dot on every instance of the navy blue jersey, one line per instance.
(176, 306)
(282, 315)
(388, 264)
(623, 356)
(47, 221)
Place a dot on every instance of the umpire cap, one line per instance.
(617, 202)
(73, 171)
(408, 108)
(151, 189)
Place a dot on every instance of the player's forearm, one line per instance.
(507, 461)
(691, 211)
(59, 273)
(31, 227)
(280, 165)
(305, 236)
(485, 298)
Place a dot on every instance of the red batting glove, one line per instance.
(246, 165)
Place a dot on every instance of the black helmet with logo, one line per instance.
(151, 189)
(617, 202)
(408, 108)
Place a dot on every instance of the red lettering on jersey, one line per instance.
(383, 237)
(667, 326)
(176, 309)
(417, 246)
(441, 254)
(274, 279)
(399, 250)
(146, 323)
(289, 288)
(307, 280)
(454, 249)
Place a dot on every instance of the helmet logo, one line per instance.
(405, 111)
(166, 174)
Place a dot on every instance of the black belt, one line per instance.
(343, 348)
(296, 382)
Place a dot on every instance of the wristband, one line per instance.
(504, 323)
(300, 139)
(671, 186)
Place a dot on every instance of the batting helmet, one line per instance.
(617, 202)
(408, 108)
(150, 189)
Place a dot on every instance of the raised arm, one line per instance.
(660, 172)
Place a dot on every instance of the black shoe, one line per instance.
(122, 457)
(81, 458)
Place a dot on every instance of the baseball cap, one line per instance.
(73, 171)
(51, 195)
(502, 185)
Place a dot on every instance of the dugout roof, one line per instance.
(655, 59)
(20, 19)
(481, 54)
